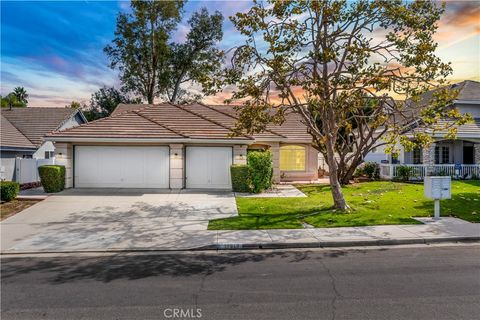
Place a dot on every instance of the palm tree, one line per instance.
(21, 94)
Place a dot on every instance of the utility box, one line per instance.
(438, 187)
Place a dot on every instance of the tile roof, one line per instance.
(292, 129)
(35, 122)
(468, 90)
(152, 121)
(122, 107)
(11, 137)
(469, 130)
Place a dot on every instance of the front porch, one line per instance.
(459, 159)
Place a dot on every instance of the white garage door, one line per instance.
(208, 167)
(121, 167)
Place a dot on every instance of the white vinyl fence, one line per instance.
(419, 171)
(26, 170)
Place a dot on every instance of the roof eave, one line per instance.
(150, 140)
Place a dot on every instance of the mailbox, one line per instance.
(438, 187)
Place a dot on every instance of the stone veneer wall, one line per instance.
(428, 154)
(476, 153)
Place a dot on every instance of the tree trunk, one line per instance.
(150, 97)
(337, 193)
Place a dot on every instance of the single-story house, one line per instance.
(23, 129)
(460, 156)
(172, 146)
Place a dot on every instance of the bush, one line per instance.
(241, 181)
(404, 172)
(261, 168)
(9, 190)
(52, 177)
(369, 169)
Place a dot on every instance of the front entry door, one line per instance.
(468, 155)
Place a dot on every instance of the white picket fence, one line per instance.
(26, 170)
(419, 171)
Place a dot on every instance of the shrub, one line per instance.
(52, 177)
(369, 169)
(9, 190)
(241, 181)
(260, 164)
(404, 172)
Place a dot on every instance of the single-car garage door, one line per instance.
(208, 167)
(121, 167)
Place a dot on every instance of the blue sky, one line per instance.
(55, 49)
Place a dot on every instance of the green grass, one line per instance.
(372, 203)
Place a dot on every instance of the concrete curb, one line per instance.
(252, 246)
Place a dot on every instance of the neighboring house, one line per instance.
(170, 146)
(460, 156)
(23, 130)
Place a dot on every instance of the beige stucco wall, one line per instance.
(177, 171)
(64, 157)
(240, 154)
(311, 165)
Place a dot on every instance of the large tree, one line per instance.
(10, 101)
(198, 57)
(341, 65)
(140, 49)
(105, 100)
(151, 65)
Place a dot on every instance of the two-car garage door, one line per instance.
(148, 167)
(121, 167)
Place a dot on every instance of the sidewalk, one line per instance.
(432, 231)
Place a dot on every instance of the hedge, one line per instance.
(261, 168)
(9, 190)
(241, 181)
(52, 177)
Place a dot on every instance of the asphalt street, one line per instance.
(420, 282)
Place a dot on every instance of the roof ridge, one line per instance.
(142, 106)
(20, 131)
(210, 120)
(212, 108)
(80, 125)
(158, 123)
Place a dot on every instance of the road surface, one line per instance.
(421, 282)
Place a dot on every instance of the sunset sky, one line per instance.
(55, 49)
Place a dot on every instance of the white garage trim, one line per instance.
(121, 167)
(208, 167)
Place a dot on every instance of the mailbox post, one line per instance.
(437, 188)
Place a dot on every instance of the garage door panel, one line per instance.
(220, 166)
(133, 166)
(121, 167)
(208, 167)
(157, 174)
(110, 167)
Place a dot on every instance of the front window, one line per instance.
(49, 154)
(442, 154)
(292, 158)
(417, 156)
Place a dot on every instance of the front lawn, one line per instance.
(373, 203)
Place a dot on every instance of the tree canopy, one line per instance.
(17, 98)
(150, 64)
(342, 66)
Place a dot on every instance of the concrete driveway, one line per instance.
(107, 219)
